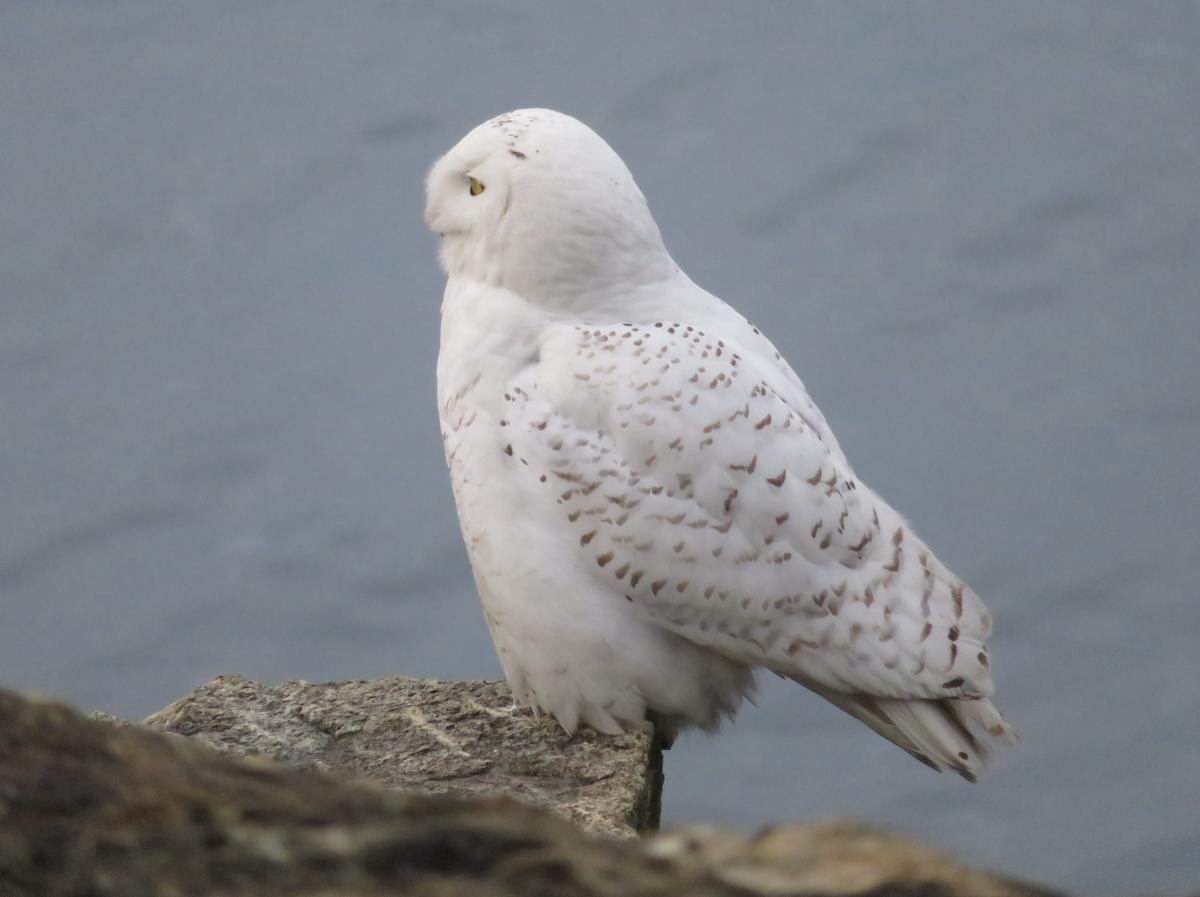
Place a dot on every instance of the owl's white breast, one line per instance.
(567, 644)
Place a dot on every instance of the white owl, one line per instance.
(652, 504)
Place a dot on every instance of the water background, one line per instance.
(974, 229)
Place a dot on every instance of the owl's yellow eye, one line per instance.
(476, 187)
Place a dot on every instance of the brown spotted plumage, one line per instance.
(653, 505)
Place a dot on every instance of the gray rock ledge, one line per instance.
(92, 808)
(422, 736)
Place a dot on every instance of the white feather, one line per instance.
(652, 503)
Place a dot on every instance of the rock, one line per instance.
(835, 856)
(428, 737)
(87, 807)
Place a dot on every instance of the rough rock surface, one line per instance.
(834, 856)
(91, 808)
(428, 737)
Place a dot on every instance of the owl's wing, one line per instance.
(700, 486)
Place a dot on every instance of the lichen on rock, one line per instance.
(425, 736)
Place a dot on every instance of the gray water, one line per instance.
(974, 229)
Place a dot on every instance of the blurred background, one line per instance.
(974, 230)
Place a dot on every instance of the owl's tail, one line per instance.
(946, 735)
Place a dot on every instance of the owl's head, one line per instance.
(536, 202)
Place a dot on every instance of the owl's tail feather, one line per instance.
(945, 735)
(982, 718)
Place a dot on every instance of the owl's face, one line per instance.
(468, 189)
(536, 202)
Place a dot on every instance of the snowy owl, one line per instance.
(653, 506)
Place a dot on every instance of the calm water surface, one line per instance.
(974, 229)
